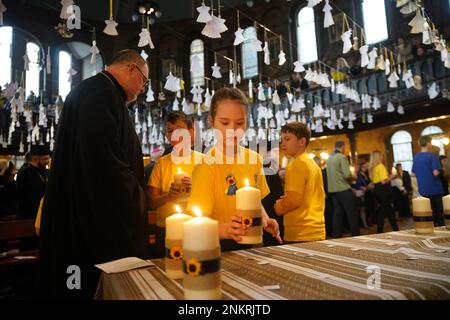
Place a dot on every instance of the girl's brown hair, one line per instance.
(226, 94)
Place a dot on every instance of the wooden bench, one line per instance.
(17, 230)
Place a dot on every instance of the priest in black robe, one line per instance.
(94, 208)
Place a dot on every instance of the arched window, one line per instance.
(5, 54)
(306, 35)
(65, 63)
(375, 24)
(438, 138)
(249, 55)
(197, 50)
(32, 75)
(402, 149)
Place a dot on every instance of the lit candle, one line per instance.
(248, 208)
(174, 243)
(201, 258)
(179, 175)
(284, 163)
(393, 171)
(446, 203)
(352, 170)
(422, 215)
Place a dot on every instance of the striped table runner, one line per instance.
(410, 267)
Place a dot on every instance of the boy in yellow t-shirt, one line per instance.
(303, 204)
(164, 195)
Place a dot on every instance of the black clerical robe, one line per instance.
(94, 207)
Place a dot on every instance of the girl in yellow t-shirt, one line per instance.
(225, 168)
(380, 177)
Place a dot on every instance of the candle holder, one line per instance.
(423, 216)
(251, 221)
(446, 203)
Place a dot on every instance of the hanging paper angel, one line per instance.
(276, 98)
(365, 56)
(111, 25)
(393, 78)
(256, 44)
(71, 73)
(417, 23)
(298, 66)
(239, 37)
(408, 79)
(345, 37)
(400, 109)
(380, 62)
(290, 97)
(266, 53)
(94, 52)
(216, 71)
(376, 103)
(261, 95)
(269, 92)
(144, 55)
(426, 33)
(409, 8)
(372, 58)
(207, 99)
(26, 61)
(171, 83)
(390, 107)
(204, 15)
(281, 58)
(328, 19)
(150, 94)
(231, 78)
(250, 89)
(387, 66)
(309, 76)
(145, 39)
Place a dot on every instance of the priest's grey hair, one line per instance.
(127, 56)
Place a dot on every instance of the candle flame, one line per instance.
(246, 183)
(179, 170)
(197, 211)
(177, 208)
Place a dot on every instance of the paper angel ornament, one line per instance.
(204, 15)
(345, 37)
(390, 107)
(250, 89)
(298, 66)
(239, 37)
(231, 77)
(380, 62)
(393, 78)
(221, 24)
(48, 62)
(26, 61)
(372, 56)
(171, 83)
(276, 98)
(309, 76)
(376, 103)
(408, 79)
(145, 39)
(266, 53)
(433, 90)
(409, 8)
(150, 94)
(214, 27)
(144, 55)
(238, 77)
(281, 58)
(400, 109)
(216, 71)
(269, 92)
(207, 99)
(256, 44)
(328, 19)
(196, 66)
(387, 67)
(261, 95)
(290, 97)
(71, 73)
(110, 28)
(65, 11)
(363, 51)
(417, 23)
(426, 33)
(94, 52)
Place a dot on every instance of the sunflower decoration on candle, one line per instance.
(231, 182)
(247, 222)
(193, 267)
(176, 253)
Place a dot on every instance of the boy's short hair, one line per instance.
(424, 141)
(339, 144)
(174, 116)
(299, 129)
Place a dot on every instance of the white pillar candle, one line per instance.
(201, 258)
(446, 203)
(174, 244)
(248, 208)
(179, 175)
(422, 215)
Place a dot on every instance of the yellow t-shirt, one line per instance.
(379, 173)
(214, 184)
(163, 176)
(307, 222)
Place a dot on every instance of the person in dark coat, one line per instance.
(94, 210)
(9, 196)
(402, 194)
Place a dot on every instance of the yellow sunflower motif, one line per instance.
(231, 181)
(193, 267)
(176, 253)
(247, 222)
